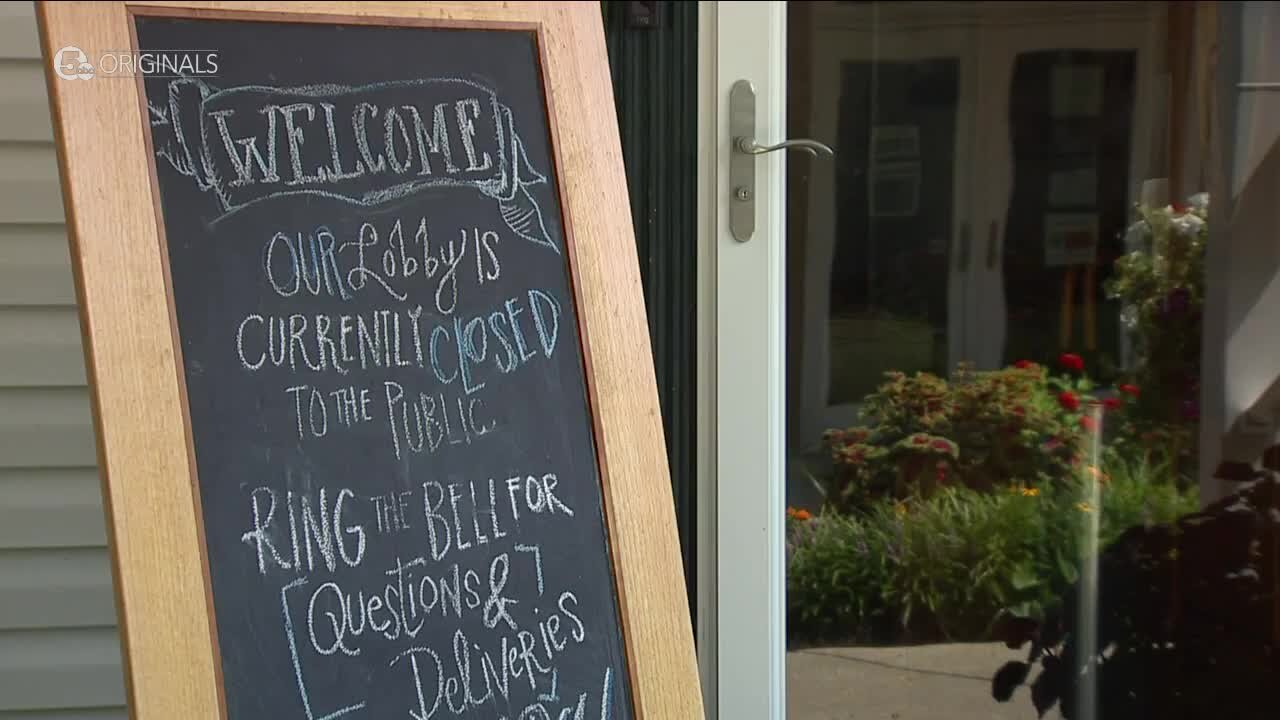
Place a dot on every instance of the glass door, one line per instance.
(987, 156)
(957, 382)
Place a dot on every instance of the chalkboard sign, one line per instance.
(378, 333)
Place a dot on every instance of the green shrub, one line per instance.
(953, 564)
(838, 571)
(1130, 494)
(1138, 494)
(962, 555)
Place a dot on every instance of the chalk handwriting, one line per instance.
(362, 145)
(503, 338)
(340, 621)
(324, 537)
(383, 354)
(304, 695)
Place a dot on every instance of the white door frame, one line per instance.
(741, 578)
(741, 345)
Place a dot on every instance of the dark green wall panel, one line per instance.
(655, 81)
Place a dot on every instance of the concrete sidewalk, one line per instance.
(927, 682)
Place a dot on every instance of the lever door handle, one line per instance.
(742, 158)
(751, 147)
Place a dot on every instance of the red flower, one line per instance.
(1024, 364)
(1179, 208)
(1088, 423)
(1071, 361)
(1130, 390)
(1111, 403)
(940, 445)
(1069, 401)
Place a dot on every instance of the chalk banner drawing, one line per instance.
(401, 500)
(248, 144)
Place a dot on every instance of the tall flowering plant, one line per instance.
(1160, 284)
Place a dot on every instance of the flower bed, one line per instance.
(967, 499)
(950, 566)
(1021, 426)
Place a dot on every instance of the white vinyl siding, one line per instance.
(59, 650)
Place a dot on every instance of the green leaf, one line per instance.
(1070, 573)
(1023, 578)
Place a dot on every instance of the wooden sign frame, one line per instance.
(145, 448)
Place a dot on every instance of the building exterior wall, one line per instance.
(59, 650)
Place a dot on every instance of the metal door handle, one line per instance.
(742, 158)
(751, 147)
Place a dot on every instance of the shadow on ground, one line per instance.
(925, 682)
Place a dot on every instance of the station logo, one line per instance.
(72, 63)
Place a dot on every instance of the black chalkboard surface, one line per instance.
(401, 504)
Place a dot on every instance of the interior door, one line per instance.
(882, 244)
(1071, 99)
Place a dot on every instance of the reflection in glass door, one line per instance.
(879, 240)
(959, 378)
